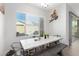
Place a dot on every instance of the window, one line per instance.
(32, 25)
(20, 29)
(20, 24)
(29, 25)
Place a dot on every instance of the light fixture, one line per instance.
(45, 5)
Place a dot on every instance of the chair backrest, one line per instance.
(16, 45)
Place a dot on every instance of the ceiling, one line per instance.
(74, 6)
(49, 5)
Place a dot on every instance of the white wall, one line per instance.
(1, 33)
(62, 25)
(10, 21)
(59, 26)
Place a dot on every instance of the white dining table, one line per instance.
(31, 43)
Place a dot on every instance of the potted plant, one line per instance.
(46, 35)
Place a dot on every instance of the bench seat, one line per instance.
(53, 51)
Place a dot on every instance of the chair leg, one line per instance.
(60, 53)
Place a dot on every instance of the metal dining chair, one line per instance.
(16, 46)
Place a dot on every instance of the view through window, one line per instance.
(27, 24)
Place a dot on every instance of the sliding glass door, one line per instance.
(73, 27)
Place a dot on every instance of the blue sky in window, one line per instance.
(20, 17)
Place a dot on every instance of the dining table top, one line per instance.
(35, 42)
